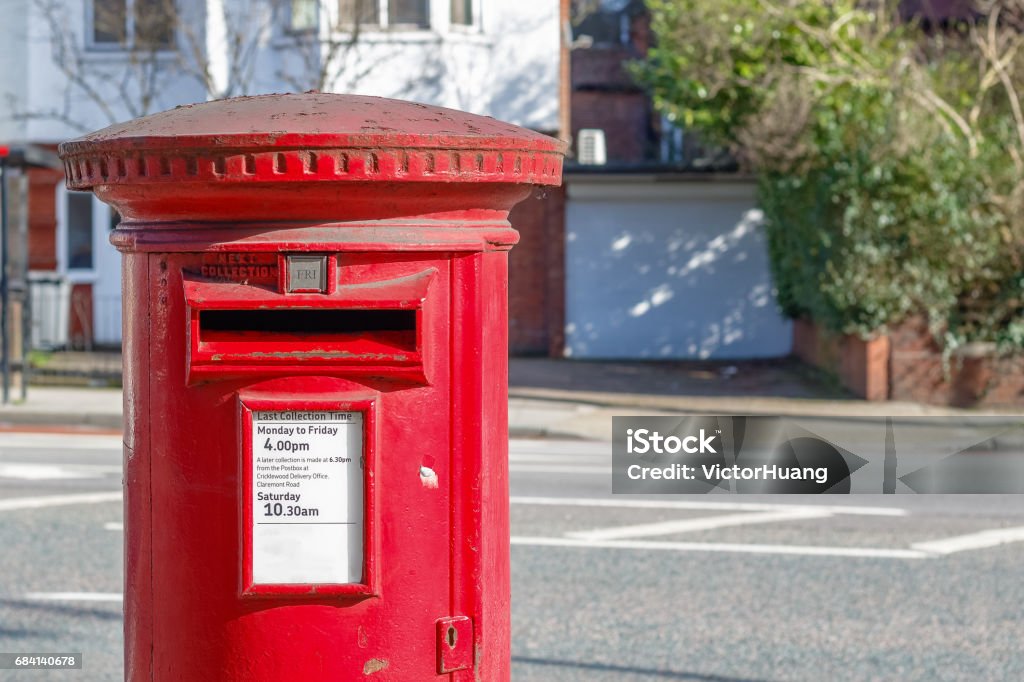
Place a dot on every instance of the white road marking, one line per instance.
(562, 446)
(695, 525)
(558, 469)
(76, 596)
(15, 503)
(963, 543)
(700, 505)
(62, 441)
(725, 547)
(559, 459)
(27, 471)
(114, 525)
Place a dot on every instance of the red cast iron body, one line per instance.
(406, 208)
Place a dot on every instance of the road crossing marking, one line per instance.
(28, 471)
(963, 543)
(83, 441)
(725, 547)
(557, 469)
(16, 503)
(75, 596)
(625, 537)
(558, 459)
(676, 526)
(709, 505)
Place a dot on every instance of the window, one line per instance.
(672, 149)
(392, 13)
(605, 23)
(79, 231)
(133, 23)
(304, 15)
(362, 12)
(462, 12)
(409, 13)
(110, 22)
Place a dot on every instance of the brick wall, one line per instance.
(862, 366)
(537, 275)
(917, 371)
(42, 218)
(624, 116)
(907, 365)
(604, 95)
(972, 376)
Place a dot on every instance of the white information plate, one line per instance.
(307, 497)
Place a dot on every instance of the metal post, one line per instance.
(26, 337)
(5, 294)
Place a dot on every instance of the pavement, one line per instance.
(552, 398)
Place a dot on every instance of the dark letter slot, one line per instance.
(304, 330)
(290, 321)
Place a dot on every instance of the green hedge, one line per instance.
(888, 157)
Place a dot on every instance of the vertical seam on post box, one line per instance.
(470, 444)
(149, 455)
(454, 535)
(464, 339)
(461, 598)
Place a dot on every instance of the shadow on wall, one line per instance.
(514, 79)
(670, 277)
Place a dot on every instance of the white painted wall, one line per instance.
(671, 270)
(506, 66)
(14, 72)
(46, 90)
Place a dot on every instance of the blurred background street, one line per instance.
(604, 588)
(777, 208)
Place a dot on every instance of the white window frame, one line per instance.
(129, 38)
(384, 23)
(100, 234)
(474, 26)
(289, 19)
(438, 24)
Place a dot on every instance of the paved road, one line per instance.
(728, 589)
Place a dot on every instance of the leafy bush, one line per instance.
(890, 158)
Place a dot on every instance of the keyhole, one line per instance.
(453, 636)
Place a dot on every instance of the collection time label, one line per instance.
(307, 497)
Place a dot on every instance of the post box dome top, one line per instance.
(311, 137)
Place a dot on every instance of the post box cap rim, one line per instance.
(311, 138)
(313, 120)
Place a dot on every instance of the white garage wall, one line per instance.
(668, 269)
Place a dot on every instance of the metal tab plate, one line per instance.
(307, 273)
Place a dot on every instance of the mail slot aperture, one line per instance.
(304, 324)
(374, 328)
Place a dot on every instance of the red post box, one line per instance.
(315, 326)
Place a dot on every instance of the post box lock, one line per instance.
(454, 644)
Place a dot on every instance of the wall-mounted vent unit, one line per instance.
(590, 146)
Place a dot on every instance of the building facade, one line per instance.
(71, 66)
(665, 258)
